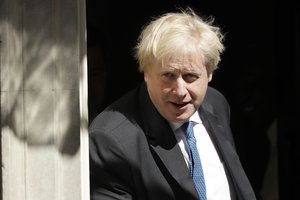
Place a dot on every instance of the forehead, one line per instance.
(183, 59)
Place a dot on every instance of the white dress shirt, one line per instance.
(217, 187)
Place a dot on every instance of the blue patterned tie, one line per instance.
(195, 162)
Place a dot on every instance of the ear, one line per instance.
(146, 76)
(209, 77)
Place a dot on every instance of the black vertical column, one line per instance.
(287, 45)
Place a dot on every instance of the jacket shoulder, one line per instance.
(121, 111)
(215, 101)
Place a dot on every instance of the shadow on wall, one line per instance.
(39, 62)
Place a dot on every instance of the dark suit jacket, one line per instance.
(134, 153)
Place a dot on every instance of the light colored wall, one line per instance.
(44, 141)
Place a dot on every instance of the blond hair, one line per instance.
(179, 31)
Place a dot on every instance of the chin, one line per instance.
(182, 118)
(179, 117)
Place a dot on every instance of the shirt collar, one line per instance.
(194, 118)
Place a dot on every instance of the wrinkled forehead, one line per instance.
(184, 58)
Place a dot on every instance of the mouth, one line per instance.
(180, 105)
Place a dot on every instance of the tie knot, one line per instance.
(187, 128)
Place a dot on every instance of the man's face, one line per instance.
(177, 88)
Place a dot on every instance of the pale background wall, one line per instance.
(44, 146)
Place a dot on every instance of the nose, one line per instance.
(180, 87)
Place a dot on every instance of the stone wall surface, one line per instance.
(43, 107)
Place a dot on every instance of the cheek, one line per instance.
(198, 92)
(155, 89)
(166, 90)
(159, 87)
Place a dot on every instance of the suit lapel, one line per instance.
(171, 163)
(227, 153)
(217, 133)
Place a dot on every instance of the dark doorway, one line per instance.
(247, 75)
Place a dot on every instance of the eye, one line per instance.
(169, 75)
(190, 77)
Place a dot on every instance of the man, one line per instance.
(138, 146)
